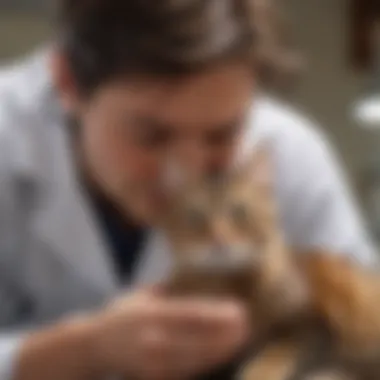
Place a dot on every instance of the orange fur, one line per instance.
(226, 240)
(347, 296)
(278, 361)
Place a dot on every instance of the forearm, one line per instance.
(61, 352)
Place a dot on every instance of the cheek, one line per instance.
(221, 157)
(113, 154)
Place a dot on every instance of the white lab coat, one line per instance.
(53, 259)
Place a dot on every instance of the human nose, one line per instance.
(191, 155)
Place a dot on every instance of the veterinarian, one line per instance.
(85, 129)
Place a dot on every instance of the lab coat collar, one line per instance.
(68, 223)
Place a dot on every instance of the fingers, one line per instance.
(176, 358)
(196, 334)
(208, 324)
(205, 312)
(172, 355)
(155, 337)
(193, 315)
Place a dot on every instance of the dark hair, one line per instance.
(106, 38)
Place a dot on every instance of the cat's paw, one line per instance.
(330, 375)
(267, 370)
(287, 297)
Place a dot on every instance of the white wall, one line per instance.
(20, 32)
(327, 91)
(330, 85)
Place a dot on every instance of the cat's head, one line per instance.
(227, 216)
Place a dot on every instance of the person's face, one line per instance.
(131, 129)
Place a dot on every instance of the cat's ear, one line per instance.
(257, 167)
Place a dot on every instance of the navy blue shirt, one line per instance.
(124, 238)
(125, 241)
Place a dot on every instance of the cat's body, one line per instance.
(336, 336)
(316, 314)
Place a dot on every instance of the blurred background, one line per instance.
(338, 40)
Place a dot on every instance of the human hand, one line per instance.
(149, 336)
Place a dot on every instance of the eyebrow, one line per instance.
(228, 126)
(150, 122)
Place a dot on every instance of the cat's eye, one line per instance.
(239, 213)
(196, 218)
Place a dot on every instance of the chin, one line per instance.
(145, 214)
(145, 211)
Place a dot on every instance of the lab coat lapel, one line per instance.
(68, 224)
(155, 263)
(69, 227)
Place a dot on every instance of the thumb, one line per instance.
(157, 289)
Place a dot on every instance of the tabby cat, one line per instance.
(317, 313)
